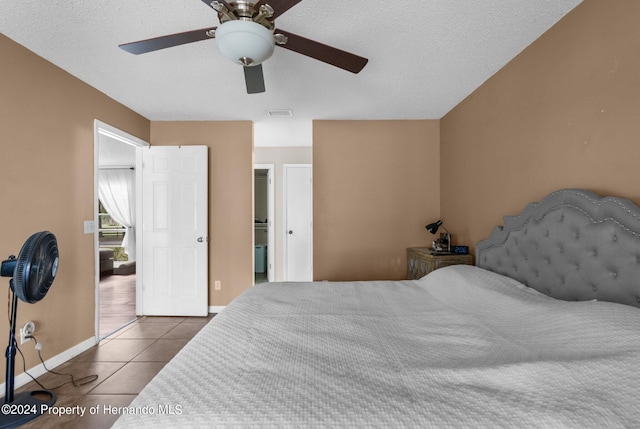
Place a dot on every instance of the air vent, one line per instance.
(280, 113)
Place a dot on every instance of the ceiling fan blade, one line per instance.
(254, 79)
(279, 6)
(327, 54)
(150, 45)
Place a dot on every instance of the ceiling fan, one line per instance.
(247, 35)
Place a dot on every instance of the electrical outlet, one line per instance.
(29, 328)
(216, 285)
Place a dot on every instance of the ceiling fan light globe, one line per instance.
(241, 41)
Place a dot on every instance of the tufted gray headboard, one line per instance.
(573, 245)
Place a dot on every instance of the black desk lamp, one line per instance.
(433, 228)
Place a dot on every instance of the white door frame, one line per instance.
(103, 129)
(271, 241)
(285, 199)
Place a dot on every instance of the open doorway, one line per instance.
(116, 191)
(263, 223)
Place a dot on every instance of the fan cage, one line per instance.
(36, 267)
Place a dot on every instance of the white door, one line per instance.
(174, 231)
(298, 221)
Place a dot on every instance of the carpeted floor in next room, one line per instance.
(124, 362)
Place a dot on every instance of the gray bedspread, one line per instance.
(463, 347)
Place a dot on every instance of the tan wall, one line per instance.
(230, 198)
(46, 149)
(376, 184)
(564, 113)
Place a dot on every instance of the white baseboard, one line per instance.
(38, 370)
(216, 308)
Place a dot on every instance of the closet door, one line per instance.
(298, 222)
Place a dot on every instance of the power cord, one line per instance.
(76, 383)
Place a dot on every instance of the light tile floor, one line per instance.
(124, 363)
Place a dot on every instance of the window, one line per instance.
(110, 233)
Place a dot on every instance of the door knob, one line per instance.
(200, 239)
(290, 232)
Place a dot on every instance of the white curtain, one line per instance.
(116, 191)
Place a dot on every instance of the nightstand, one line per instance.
(421, 261)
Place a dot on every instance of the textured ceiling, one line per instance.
(425, 56)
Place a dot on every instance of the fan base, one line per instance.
(25, 407)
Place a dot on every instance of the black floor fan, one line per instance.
(32, 274)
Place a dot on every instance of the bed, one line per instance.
(543, 332)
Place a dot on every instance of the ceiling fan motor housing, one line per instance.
(245, 10)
